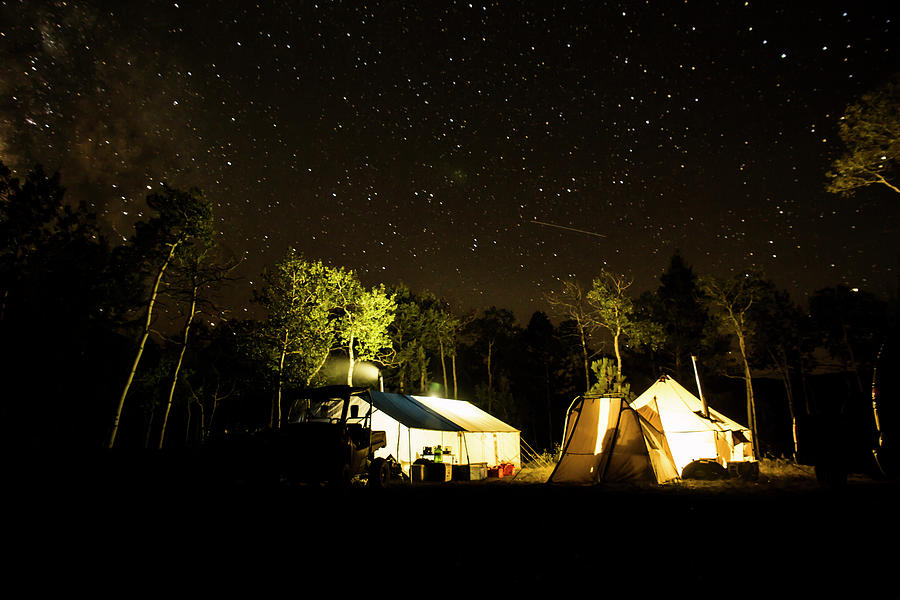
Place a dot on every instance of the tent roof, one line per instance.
(465, 414)
(681, 407)
(441, 414)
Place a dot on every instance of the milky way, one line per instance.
(421, 141)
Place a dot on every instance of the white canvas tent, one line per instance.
(413, 423)
(608, 441)
(692, 435)
(651, 438)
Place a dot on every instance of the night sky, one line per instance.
(419, 141)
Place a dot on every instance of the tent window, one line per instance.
(739, 437)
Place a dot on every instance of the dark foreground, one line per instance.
(136, 531)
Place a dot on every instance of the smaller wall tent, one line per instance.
(691, 434)
(651, 438)
(413, 423)
(608, 441)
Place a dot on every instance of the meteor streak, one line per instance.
(536, 222)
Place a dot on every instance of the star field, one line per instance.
(419, 142)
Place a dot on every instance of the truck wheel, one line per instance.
(379, 473)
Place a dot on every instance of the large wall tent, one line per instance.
(413, 423)
(651, 438)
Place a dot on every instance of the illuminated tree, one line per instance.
(181, 217)
(615, 312)
(363, 321)
(608, 379)
(299, 332)
(870, 130)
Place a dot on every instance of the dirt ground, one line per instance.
(780, 533)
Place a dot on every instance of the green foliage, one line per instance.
(299, 332)
(616, 312)
(363, 321)
(870, 130)
(609, 380)
(413, 336)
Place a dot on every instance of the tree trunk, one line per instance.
(444, 368)
(549, 403)
(618, 360)
(275, 417)
(854, 366)
(317, 369)
(351, 361)
(751, 403)
(453, 364)
(490, 378)
(201, 427)
(184, 343)
(423, 368)
(789, 394)
(149, 429)
(584, 357)
(187, 426)
(212, 415)
(140, 351)
(804, 384)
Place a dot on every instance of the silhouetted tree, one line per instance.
(55, 318)
(197, 272)
(181, 217)
(571, 303)
(850, 321)
(870, 130)
(540, 356)
(680, 309)
(782, 340)
(732, 300)
(413, 335)
(492, 335)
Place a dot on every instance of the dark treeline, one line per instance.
(86, 363)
